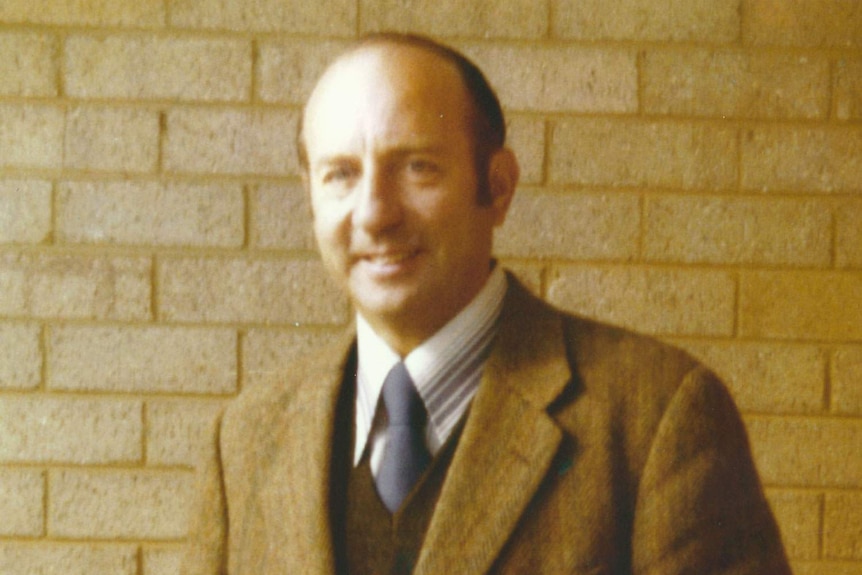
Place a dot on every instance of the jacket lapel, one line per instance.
(507, 444)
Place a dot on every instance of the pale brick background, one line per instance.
(691, 168)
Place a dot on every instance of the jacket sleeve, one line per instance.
(700, 507)
(205, 548)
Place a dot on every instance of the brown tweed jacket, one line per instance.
(588, 449)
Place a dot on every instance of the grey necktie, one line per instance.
(406, 455)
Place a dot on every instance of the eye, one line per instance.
(339, 173)
(422, 170)
(422, 166)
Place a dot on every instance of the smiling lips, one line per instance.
(388, 262)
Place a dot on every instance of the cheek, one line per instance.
(330, 221)
(328, 236)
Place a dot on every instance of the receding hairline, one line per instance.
(486, 117)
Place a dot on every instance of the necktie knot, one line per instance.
(406, 456)
(404, 405)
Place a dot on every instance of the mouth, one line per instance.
(389, 258)
(389, 263)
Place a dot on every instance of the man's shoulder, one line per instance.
(597, 346)
(632, 374)
(634, 384)
(299, 378)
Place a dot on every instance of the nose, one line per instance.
(378, 203)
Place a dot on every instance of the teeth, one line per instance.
(388, 259)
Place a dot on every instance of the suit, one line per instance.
(587, 449)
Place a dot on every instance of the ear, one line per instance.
(503, 173)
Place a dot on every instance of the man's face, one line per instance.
(393, 189)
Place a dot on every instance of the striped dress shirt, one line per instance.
(446, 369)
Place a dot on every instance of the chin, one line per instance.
(390, 305)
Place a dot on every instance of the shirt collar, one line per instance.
(428, 364)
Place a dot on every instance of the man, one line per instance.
(464, 427)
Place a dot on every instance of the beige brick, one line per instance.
(484, 18)
(142, 359)
(131, 13)
(268, 354)
(119, 504)
(29, 67)
(622, 152)
(768, 378)
(25, 211)
(803, 305)
(231, 141)
(248, 291)
(53, 558)
(526, 137)
(807, 452)
(735, 84)
(560, 79)
(738, 231)
(658, 301)
(842, 526)
(802, 22)
(847, 381)
(848, 242)
(281, 217)
(37, 428)
(162, 560)
(802, 159)
(848, 90)
(826, 568)
(21, 494)
(158, 68)
(117, 139)
(31, 136)
(571, 226)
(177, 430)
(72, 286)
(699, 20)
(149, 213)
(798, 517)
(20, 356)
(326, 17)
(288, 71)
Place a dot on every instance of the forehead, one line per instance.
(384, 88)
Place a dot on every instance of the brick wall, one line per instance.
(691, 168)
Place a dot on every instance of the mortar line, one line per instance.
(144, 425)
(46, 501)
(821, 525)
(253, 96)
(163, 134)
(833, 236)
(154, 288)
(247, 207)
(44, 349)
(548, 129)
(241, 335)
(139, 558)
(827, 382)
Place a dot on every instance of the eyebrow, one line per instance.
(332, 160)
(399, 151)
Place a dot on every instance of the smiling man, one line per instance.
(464, 426)
(391, 166)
